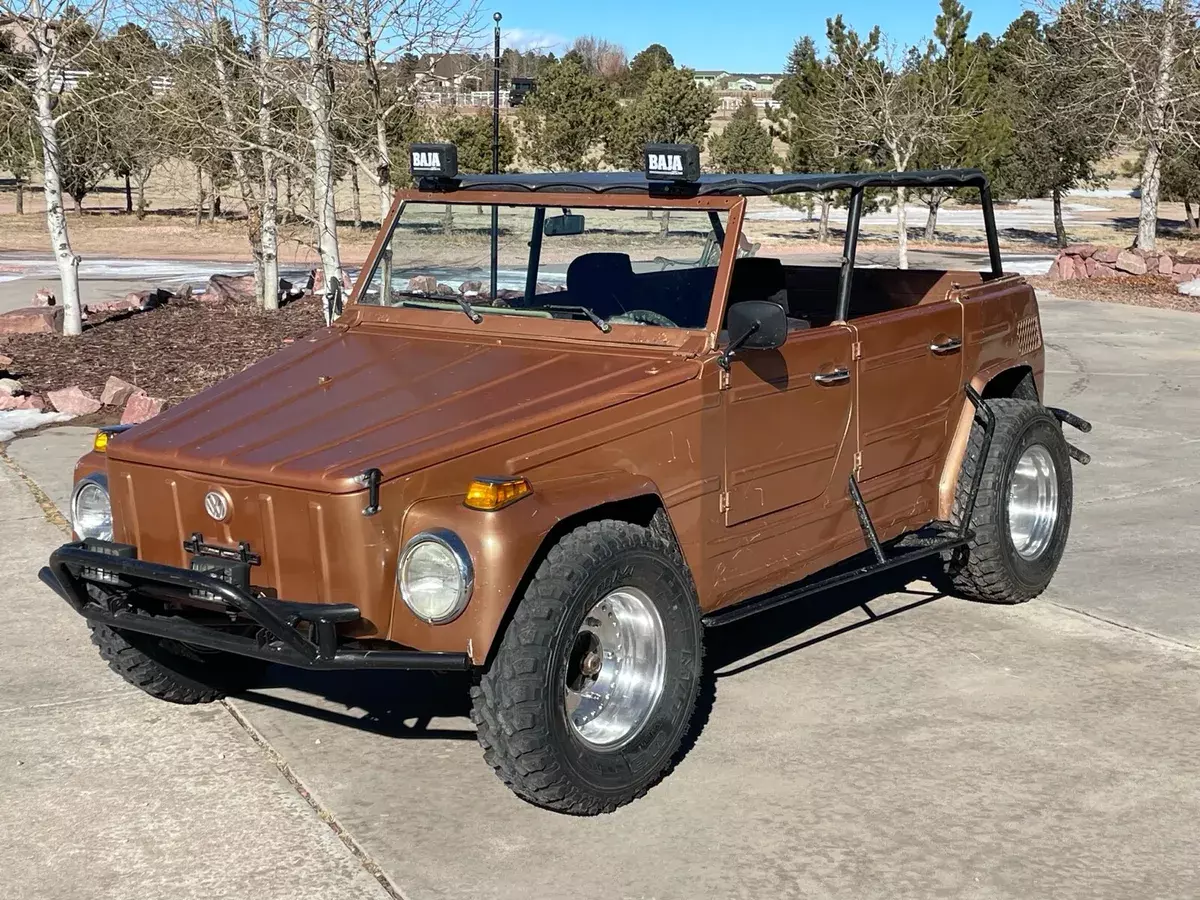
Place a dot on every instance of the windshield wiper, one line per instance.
(467, 308)
(438, 298)
(591, 316)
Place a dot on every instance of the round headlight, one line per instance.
(435, 575)
(91, 511)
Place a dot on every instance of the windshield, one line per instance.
(652, 267)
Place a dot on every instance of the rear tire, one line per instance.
(172, 671)
(556, 719)
(1023, 510)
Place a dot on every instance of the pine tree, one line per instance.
(671, 109)
(568, 118)
(744, 145)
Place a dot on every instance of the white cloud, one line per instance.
(525, 39)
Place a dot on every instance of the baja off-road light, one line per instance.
(435, 575)
(91, 510)
(672, 162)
(495, 493)
(437, 161)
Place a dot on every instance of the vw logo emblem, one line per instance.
(216, 505)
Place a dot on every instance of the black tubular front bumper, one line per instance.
(130, 594)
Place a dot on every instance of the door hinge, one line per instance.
(722, 379)
(856, 350)
(723, 501)
(857, 462)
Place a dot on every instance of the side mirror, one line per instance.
(755, 325)
(563, 226)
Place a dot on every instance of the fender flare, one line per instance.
(957, 450)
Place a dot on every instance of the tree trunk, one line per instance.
(288, 199)
(78, 204)
(448, 220)
(56, 220)
(319, 102)
(20, 196)
(128, 195)
(383, 170)
(268, 289)
(225, 95)
(902, 227)
(214, 209)
(1187, 212)
(355, 199)
(664, 223)
(199, 195)
(1151, 180)
(934, 204)
(1060, 230)
(823, 224)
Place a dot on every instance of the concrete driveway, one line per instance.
(883, 743)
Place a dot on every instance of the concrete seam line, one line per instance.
(1153, 635)
(49, 509)
(325, 815)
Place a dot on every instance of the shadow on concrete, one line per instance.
(402, 704)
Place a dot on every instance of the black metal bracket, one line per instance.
(1078, 423)
(242, 553)
(945, 536)
(370, 479)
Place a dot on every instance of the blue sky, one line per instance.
(751, 36)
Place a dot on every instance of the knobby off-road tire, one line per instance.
(537, 745)
(997, 567)
(171, 671)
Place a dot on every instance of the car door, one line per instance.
(787, 413)
(909, 378)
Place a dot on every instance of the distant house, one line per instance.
(451, 72)
(745, 82)
(20, 30)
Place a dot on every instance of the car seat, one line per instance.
(603, 282)
(762, 278)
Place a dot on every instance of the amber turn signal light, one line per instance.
(495, 493)
(100, 442)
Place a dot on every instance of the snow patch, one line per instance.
(13, 421)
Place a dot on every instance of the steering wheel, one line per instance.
(643, 317)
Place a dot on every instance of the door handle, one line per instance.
(837, 376)
(947, 346)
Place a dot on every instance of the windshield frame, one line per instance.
(572, 329)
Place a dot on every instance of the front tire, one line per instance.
(1023, 511)
(172, 671)
(593, 687)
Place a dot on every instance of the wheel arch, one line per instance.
(1004, 379)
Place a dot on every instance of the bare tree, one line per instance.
(1143, 56)
(385, 39)
(59, 34)
(899, 109)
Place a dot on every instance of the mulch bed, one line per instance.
(1157, 291)
(171, 352)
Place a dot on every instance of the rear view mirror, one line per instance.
(562, 226)
(754, 325)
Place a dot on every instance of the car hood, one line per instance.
(343, 400)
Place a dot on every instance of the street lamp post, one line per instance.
(495, 150)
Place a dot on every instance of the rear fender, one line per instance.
(505, 546)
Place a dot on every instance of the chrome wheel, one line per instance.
(616, 669)
(1033, 502)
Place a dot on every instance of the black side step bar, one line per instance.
(946, 536)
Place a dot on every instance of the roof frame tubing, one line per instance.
(849, 249)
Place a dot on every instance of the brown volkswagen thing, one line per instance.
(565, 424)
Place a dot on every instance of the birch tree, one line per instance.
(59, 34)
(384, 38)
(1142, 55)
(898, 104)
